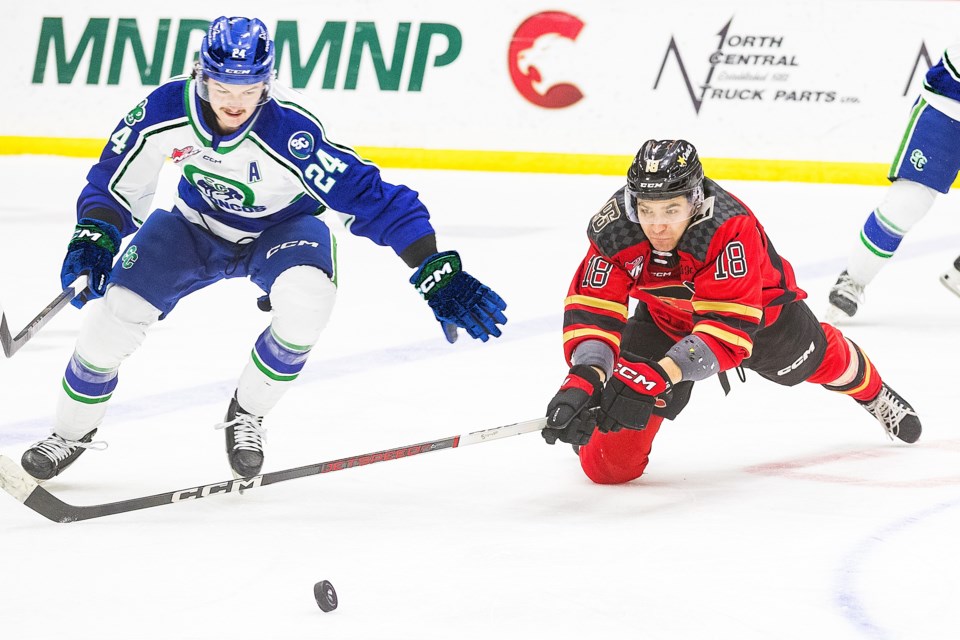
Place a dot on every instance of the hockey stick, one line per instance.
(12, 344)
(15, 481)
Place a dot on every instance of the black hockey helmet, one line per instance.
(665, 169)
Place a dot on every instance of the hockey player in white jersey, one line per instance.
(926, 163)
(257, 171)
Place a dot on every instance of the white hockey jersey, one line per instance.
(279, 165)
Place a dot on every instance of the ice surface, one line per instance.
(772, 513)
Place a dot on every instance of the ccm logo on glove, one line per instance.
(82, 233)
(435, 278)
(629, 374)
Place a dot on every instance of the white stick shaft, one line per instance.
(503, 432)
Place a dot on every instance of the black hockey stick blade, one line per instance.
(18, 483)
(12, 344)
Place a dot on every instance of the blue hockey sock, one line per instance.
(87, 384)
(880, 235)
(277, 359)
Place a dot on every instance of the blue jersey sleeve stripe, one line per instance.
(323, 134)
(949, 66)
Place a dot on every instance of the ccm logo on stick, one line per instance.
(220, 487)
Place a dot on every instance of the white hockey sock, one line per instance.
(905, 203)
(112, 329)
(302, 299)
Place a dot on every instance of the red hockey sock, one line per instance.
(846, 368)
(620, 456)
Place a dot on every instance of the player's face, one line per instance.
(233, 104)
(664, 221)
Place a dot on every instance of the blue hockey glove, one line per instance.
(91, 250)
(631, 394)
(457, 298)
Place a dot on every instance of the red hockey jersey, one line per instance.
(723, 281)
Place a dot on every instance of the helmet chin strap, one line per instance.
(631, 207)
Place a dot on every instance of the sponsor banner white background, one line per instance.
(854, 59)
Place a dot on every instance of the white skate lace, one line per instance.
(57, 448)
(247, 432)
(889, 412)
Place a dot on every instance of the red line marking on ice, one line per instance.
(796, 469)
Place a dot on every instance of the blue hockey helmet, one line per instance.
(236, 51)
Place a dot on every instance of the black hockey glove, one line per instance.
(629, 397)
(457, 298)
(570, 415)
(91, 251)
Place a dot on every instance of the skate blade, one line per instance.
(835, 316)
(951, 280)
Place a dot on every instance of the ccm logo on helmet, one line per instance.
(629, 374)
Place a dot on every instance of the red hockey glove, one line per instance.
(570, 416)
(629, 397)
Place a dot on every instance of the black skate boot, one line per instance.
(895, 414)
(244, 440)
(845, 298)
(47, 458)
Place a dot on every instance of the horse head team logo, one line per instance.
(219, 192)
(224, 193)
(540, 51)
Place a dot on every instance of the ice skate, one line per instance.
(896, 415)
(244, 436)
(951, 278)
(845, 298)
(50, 456)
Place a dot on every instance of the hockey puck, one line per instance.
(326, 595)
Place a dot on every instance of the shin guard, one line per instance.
(846, 369)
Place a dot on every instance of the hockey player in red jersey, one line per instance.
(713, 294)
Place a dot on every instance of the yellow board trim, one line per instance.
(729, 307)
(579, 333)
(70, 147)
(599, 303)
(864, 173)
(726, 336)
